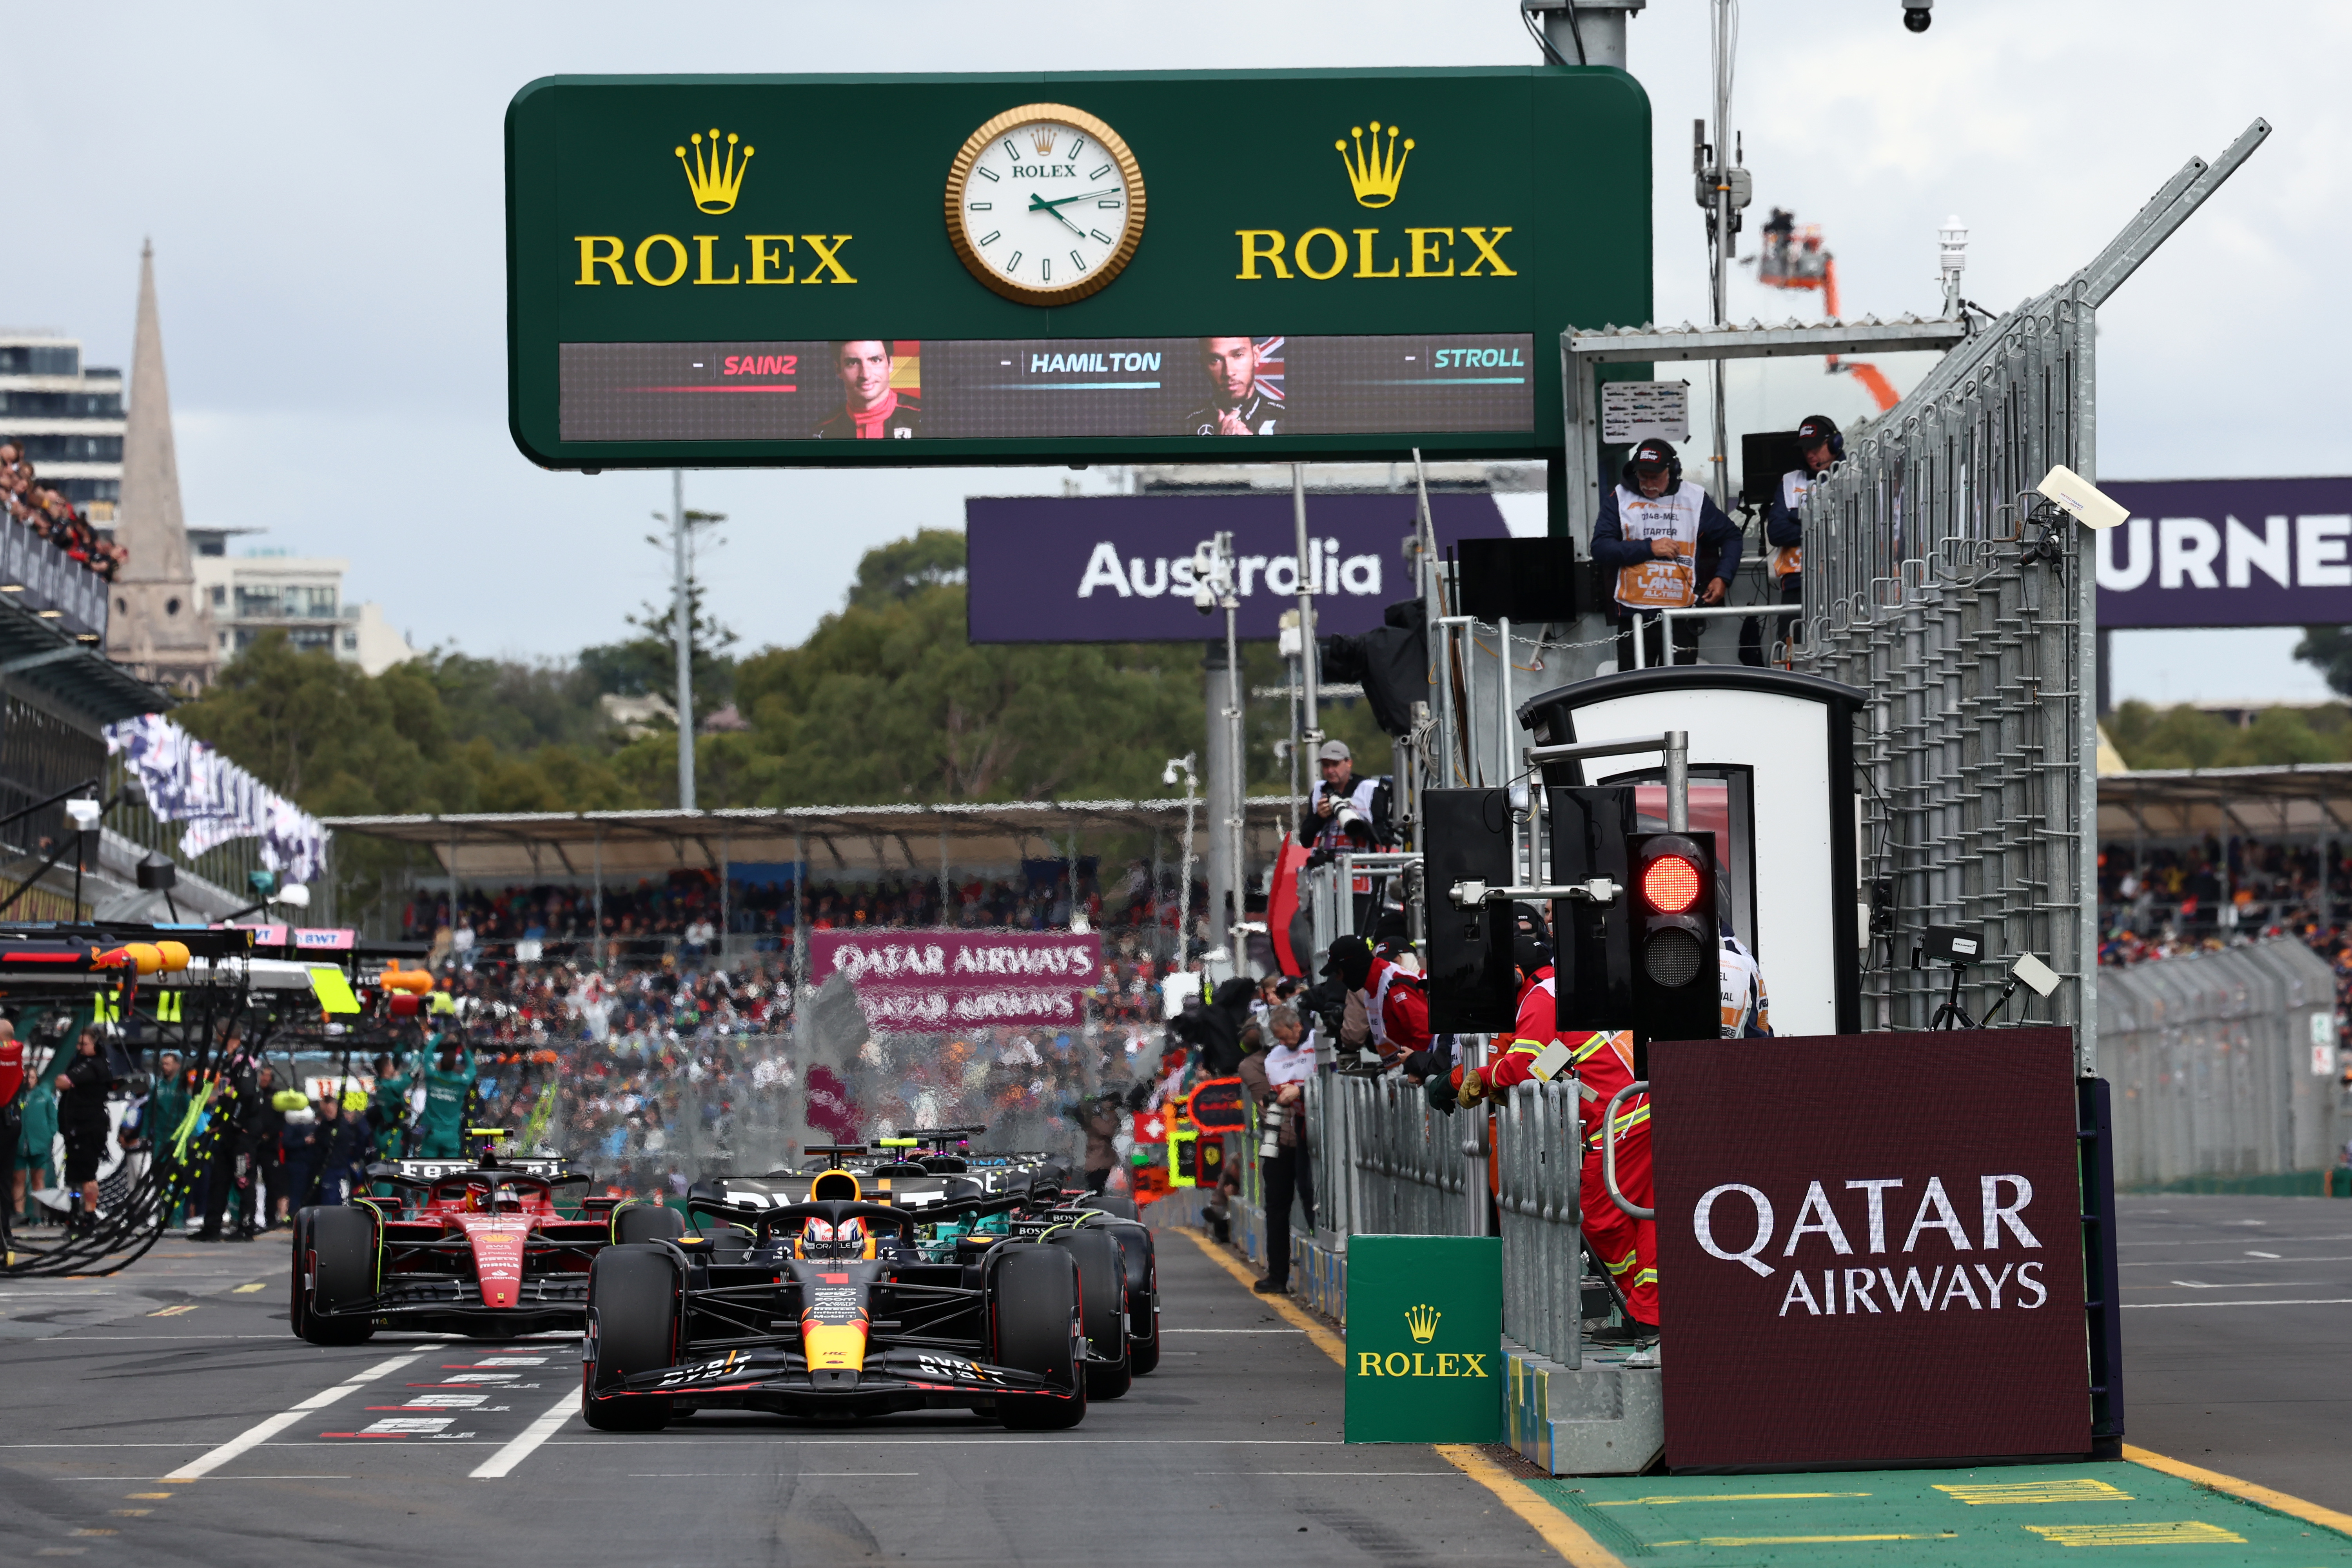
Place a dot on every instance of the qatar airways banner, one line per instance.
(1119, 568)
(915, 981)
(1870, 1248)
(2228, 552)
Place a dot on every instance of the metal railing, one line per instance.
(1932, 582)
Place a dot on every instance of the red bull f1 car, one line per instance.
(455, 1246)
(820, 1294)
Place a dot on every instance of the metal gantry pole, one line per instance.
(682, 632)
(1311, 734)
(1235, 825)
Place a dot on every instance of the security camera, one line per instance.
(293, 895)
(85, 812)
(2082, 500)
(1917, 14)
(1167, 775)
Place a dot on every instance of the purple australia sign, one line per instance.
(2228, 552)
(1119, 568)
(927, 981)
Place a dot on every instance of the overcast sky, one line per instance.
(324, 191)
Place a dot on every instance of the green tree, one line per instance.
(2330, 649)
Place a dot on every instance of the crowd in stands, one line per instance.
(685, 907)
(649, 1074)
(50, 515)
(2154, 902)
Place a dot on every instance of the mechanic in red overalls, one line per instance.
(1604, 1064)
(12, 1124)
(1396, 1009)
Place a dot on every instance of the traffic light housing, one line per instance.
(1592, 952)
(1676, 942)
(1473, 979)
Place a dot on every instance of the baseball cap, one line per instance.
(1334, 752)
(1817, 428)
(1652, 453)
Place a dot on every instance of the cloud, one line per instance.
(325, 190)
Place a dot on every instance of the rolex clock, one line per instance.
(1044, 204)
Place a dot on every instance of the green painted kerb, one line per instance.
(1985, 1517)
(1425, 1339)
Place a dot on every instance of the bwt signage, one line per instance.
(1890, 1270)
(1119, 568)
(2228, 552)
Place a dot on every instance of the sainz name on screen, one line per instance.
(1238, 385)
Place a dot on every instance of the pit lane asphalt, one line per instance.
(1231, 1450)
(2235, 1361)
(2238, 1337)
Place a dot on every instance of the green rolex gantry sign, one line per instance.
(1425, 1339)
(1067, 269)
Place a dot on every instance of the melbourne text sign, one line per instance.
(1119, 568)
(2228, 552)
(1097, 268)
(1870, 1248)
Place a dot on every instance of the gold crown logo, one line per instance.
(713, 173)
(1042, 139)
(1375, 178)
(1422, 1322)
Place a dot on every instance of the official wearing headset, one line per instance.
(1820, 447)
(1650, 533)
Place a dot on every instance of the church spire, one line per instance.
(158, 626)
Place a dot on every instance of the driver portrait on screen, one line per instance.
(871, 409)
(1237, 405)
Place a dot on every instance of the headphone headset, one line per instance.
(1674, 465)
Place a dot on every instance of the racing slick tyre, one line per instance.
(299, 1299)
(1033, 1311)
(633, 1327)
(1110, 1203)
(1142, 1297)
(646, 1222)
(1102, 1309)
(337, 1251)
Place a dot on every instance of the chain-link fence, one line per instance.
(1932, 583)
(2223, 1064)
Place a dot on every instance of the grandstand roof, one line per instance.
(2298, 799)
(530, 844)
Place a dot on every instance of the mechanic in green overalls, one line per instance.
(448, 1085)
(387, 1111)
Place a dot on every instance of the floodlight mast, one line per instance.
(682, 632)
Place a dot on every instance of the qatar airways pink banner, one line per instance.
(916, 981)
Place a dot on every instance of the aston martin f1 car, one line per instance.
(453, 1246)
(798, 1295)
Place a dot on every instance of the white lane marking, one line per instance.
(2328, 1301)
(666, 1441)
(255, 1436)
(2251, 1253)
(1233, 1331)
(2237, 1285)
(2233, 1262)
(531, 1437)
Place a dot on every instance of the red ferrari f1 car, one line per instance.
(449, 1245)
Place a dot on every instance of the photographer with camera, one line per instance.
(1274, 1077)
(1344, 812)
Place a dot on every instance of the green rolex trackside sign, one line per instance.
(1425, 1339)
